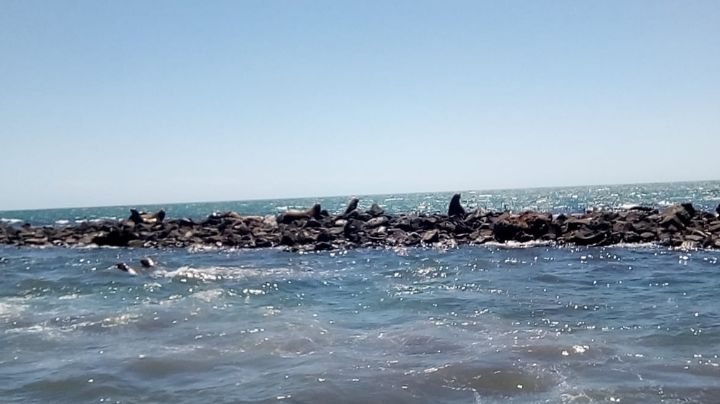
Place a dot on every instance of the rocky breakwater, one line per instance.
(316, 229)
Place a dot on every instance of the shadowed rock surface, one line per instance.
(316, 229)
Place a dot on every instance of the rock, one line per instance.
(717, 210)
(262, 243)
(455, 209)
(647, 236)
(323, 236)
(323, 246)
(677, 215)
(375, 210)
(287, 239)
(587, 237)
(508, 228)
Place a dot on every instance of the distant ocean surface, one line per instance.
(477, 324)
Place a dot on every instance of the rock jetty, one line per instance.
(316, 229)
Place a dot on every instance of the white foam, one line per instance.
(214, 273)
(208, 295)
(9, 308)
(10, 220)
(518, 244)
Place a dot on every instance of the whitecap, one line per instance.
(214, 273)
(208, 295)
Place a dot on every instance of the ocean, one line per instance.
(520, 323)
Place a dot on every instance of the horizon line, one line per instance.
(358, 195)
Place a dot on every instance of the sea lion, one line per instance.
(352, 205)
(144, 217)
(147, 262)
(125, 268)
(455, 209)
(292, 215)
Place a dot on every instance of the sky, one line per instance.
(137, 102)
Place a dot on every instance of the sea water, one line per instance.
(521, 323)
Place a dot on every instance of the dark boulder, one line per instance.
(508, 229)
(587, 237)
(115, 238)
(376, 210)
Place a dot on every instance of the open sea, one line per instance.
(522, 323)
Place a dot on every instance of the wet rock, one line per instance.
(375, 210)
(587, 237)
(323, 246)
(313, 223)
(306, 230)
(288, 239)
(262, 243)
(647, 236)
(677, 215)
(508, 228)
(115, 238)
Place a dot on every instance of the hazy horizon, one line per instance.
(118, 103)
(371, 194)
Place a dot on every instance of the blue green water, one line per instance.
(482, 324)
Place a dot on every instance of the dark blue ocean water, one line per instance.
(484, 324)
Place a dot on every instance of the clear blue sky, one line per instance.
(124, 102)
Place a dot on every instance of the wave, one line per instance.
(216, 273)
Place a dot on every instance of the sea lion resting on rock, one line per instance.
(292, 215)
(455, 209)
(144, 217)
